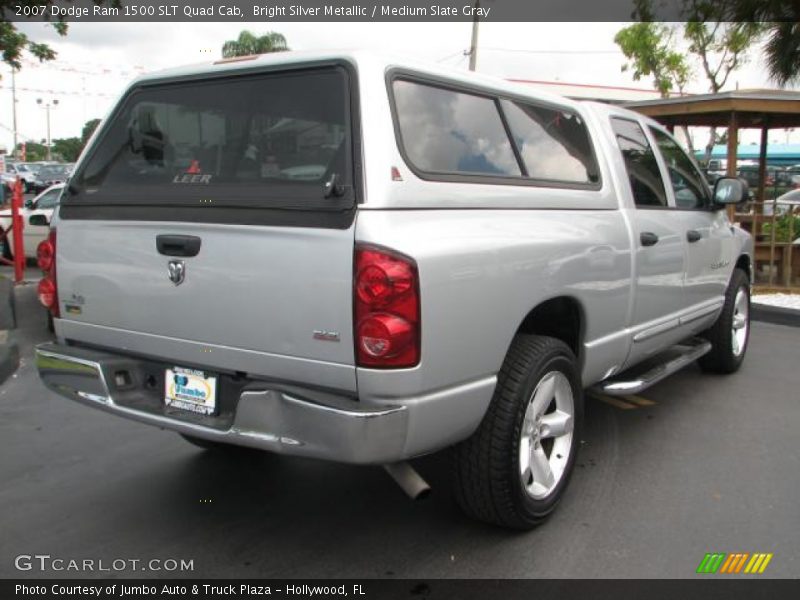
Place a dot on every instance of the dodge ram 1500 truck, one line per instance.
(366, 260)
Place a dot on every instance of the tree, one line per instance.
(781, 20)
(13, 43)
(720, 47)
(67, 148)
(88, 130)
(34, 151)
(248, 43)
(648, 47)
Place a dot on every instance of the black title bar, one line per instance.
(708, 588)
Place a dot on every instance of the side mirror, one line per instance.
(39, 221)
(730, 190)
(29, 203)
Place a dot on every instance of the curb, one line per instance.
(775, 314)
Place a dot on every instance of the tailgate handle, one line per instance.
(178, 245)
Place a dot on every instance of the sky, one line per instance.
(96, 60)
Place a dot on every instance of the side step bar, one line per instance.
(653, 370)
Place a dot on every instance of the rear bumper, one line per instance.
(283, 419)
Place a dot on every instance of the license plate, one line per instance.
(192, 390)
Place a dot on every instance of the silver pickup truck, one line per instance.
(366, 260)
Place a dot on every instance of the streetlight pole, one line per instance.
(47, 110)
(14, 109)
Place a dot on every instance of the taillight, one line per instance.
(387, 320)
(47, 292)
(46, 259)
(44, 255)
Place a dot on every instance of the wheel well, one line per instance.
(561, 318)
(743, 263)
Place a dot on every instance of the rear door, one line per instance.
(658, 235)
(212, 223)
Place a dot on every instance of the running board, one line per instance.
(642, 376)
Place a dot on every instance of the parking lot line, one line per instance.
(615, 402)
(639, 400)
(622, 402)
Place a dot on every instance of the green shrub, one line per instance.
(782, 228)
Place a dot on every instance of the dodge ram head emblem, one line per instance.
(177, 271)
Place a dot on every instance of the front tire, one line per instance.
(514, 469)
(730, 333)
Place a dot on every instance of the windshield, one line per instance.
(261, 140)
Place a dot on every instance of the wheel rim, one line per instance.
(546, 437)
(741, 322)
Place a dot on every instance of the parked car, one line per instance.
(473, 255)
(14, 170)
(750, 174)
(50, 174)
(32, 233)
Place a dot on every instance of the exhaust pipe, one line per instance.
(408, 479)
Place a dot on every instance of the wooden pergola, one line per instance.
(741, 109)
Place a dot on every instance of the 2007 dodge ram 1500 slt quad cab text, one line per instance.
(365, 260)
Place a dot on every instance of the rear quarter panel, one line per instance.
(489, 254)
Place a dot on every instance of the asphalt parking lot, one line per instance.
(697, 464)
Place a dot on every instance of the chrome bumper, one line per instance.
(268, 417)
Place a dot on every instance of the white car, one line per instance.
(43, 204)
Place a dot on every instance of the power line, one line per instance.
(523, 51)
(453, 55)
(59, 92)
(84, 68)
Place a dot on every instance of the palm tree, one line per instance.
(248, 43)
(782, 23)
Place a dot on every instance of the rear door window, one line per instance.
(644, 175)
(277, 140)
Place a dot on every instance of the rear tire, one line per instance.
(731, 331)
(7, 249)
(514, 469)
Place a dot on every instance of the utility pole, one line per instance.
(14, 110)
(473, 47)
(47, 109)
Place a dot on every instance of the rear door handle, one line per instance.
(178, 245)
(648, 238)
(693, 236)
